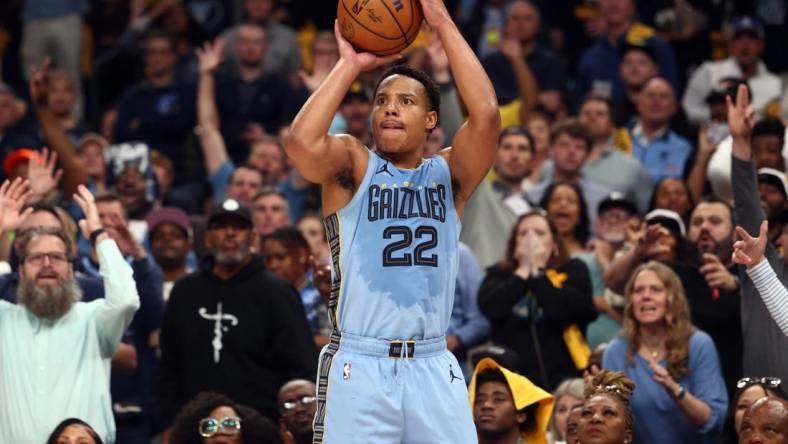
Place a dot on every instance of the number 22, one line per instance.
(418, 257)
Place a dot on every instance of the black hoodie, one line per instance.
(262, 340)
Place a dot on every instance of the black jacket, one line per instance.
(504, 300)
(262, 341)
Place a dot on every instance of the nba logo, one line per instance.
(346, 371)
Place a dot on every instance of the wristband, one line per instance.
(95, 234)
(680, 395)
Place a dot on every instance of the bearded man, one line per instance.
(233, 327)
(55, 351)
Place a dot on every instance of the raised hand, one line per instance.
(13, 196)
(749, 250)
(439, 61)
(84, 198)
(662, 376)
(42, 174)
(39, 83)
(650, 245)
(435, 12)
(511, 48)
(741, 116)
(127, 244)
(210, 56)
(364, 60)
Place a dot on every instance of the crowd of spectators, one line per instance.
(145, 177)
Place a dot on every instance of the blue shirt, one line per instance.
(311, 299)
(664, 156)
(467, 321)
(658, 420)
(395, 252)
(54, 370)
(44, 9)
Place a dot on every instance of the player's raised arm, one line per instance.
(473, 147)
(317, 155)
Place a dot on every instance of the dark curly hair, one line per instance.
(255, 428)
(66, 423)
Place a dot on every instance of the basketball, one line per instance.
(382, 27)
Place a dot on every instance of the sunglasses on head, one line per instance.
(769, 382)
(230, 425)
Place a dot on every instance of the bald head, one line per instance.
(765, 422)
(656, 103)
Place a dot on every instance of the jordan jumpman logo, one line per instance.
(452, 376)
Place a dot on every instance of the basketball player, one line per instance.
(393, 225)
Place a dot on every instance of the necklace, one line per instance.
(654, 353)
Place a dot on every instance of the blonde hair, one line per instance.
(572, 387)
(615, 385)
(677, 319)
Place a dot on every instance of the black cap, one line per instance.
(230, 207)
(745, 24)
(643, 47)
(668, 219)
(774, 178)
(616, 200)
(356, 91)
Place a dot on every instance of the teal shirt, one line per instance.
(53, 370)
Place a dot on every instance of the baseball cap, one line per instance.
(745, 24)
(230, 207)
(638, 46)
(169, 214)
(773, 177)
(14, 158)
(356, 91)
(616, 199)
(668, 219)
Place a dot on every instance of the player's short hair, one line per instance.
(433, 92)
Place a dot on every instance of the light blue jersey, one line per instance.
(395, 252)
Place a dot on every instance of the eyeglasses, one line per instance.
(55, 258)
(305, 400)
(769, 382)
(230, 425)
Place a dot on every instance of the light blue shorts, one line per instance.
(367, 396)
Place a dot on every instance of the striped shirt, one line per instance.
(773, 292)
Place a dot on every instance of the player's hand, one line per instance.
(365, 61)
(435, 12)
(210, 56)
(749, 250)
(741, 116)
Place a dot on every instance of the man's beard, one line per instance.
(230, 259)
(48, 301)
(721, 249)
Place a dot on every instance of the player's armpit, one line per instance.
(324, 161)
(471, 156)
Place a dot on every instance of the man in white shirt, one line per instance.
(55, 352)
(745, 45)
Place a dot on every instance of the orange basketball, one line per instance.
(382, 27)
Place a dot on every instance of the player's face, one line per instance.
(493, 408)
(400, 116)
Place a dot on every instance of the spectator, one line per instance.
(232, 327)
(661, 151)
(638, 66)
(570, 146)
(211, 414)
(67, 382)
(597, 70)
(325, 54)
(538, 301)
(567, 210)
(548, 68)
(267, 155)
(53, 28)
(748, 391)
(681, 395)
(495, 205)
(484, 26)
(572, 423)
(508, 408)
(538, 125)
(251, 100)
(763, 339)
(567, 396)
(355, 110)
(282, 53)
(606, 165)
(672, 194)
(90, 152)
(311, 227)
(12, 136)
(61, 99)
(773, 191)
(270, 211)
(287, 255)
(467, 326)
(158, 111)
(297, 405)
(766, 420)
(749, 251)
(605, 416)
(131, 176)
(745, 38)
(171, 237)
(73, 430)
